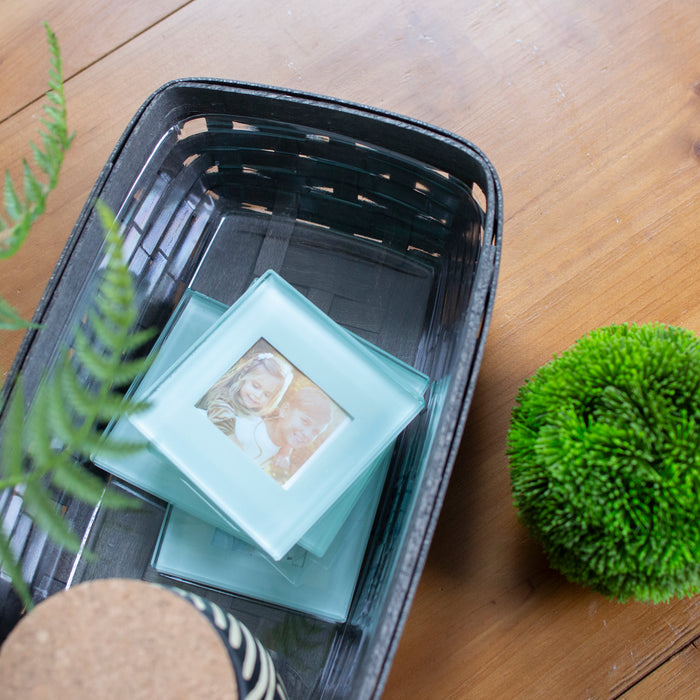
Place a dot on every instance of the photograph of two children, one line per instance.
(273, 412)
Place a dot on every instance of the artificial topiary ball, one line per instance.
(604, 447)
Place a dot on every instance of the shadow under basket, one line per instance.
(392, 227)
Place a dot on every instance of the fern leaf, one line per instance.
(104, 327)
(106, 366)
(61, 420)
(114, 290)
(13, 570)
(23, 211)
(92, 358)
(136, 340)
(33, 191)
(10, 320)
(65, 422)
(44, 512)
(116, 311)
(76, 395)
(71, 403)
(11, 450)
(10, 199)
(62, 426)
(52, 95)
(55, 114)
(40, 158)
(126, 372)
(37, 436)
(72, 477)
(65, 472)
(84, 402)
(114, 447)
(53, 153)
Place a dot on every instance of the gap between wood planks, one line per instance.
(89, 65)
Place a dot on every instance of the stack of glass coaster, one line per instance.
(269, 431)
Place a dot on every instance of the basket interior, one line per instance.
(388, 246)
(368, 237)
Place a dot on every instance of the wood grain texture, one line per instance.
(679, 677)
(87, 32)
(591, 116)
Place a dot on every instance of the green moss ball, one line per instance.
(604, 448)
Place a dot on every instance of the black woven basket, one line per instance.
(391, 226)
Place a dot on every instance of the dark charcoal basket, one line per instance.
(377, 219)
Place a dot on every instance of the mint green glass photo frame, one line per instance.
(356, 409)
(151, 471)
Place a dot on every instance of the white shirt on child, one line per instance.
(252, 437)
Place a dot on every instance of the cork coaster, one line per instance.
(115, 638)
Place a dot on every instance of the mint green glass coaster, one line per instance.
(153, 472)
(275, 413)
(196, 551)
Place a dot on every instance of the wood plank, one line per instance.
(87, 31)
(678, 678)
(590, 116)
(491, 619)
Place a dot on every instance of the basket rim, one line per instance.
(412, 559)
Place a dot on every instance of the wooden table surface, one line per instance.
(591, 116)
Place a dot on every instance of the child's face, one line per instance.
(257, 389)
(299, 428)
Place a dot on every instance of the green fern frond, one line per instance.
(13, 569)
(12, 448)
(37, 428)
(36, 498)
(104, 366)
(11, 451)
(10, 199)
(82, 399)
(23, 211)
(42, 508)
(10, 320)
(23, 207)
(73, 478)
(46, 449)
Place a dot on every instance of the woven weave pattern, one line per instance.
(380, 222)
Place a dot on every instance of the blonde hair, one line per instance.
(228, 386)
